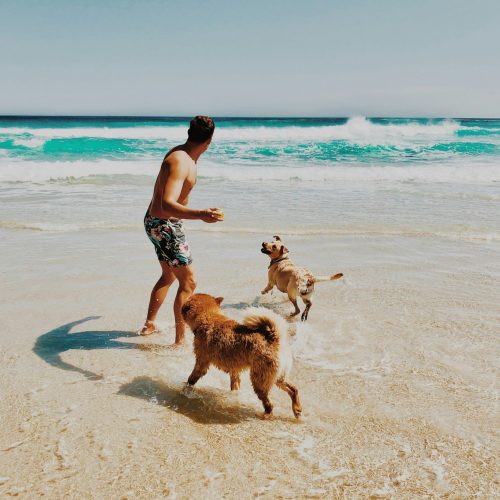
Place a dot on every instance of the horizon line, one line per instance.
(243, 117)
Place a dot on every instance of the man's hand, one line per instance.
(210, 215)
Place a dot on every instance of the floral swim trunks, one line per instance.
(169, 240)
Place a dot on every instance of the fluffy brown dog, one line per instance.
(290, 279)
(232, 347)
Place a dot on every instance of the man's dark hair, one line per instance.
(201, 128)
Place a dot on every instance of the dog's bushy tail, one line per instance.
(263, 325)
(261, 321)
(337, 276)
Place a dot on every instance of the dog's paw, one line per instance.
(265, 416)
(189, 391)
(263, 292)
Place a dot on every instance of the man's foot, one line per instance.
(148, 328)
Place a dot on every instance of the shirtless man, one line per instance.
(163, 222)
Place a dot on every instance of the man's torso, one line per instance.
(156, 206)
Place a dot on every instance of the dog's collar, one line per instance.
(275, 261)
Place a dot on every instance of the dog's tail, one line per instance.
(263, 325)
(275, 330)
(337, 276)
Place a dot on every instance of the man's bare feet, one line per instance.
(148, 328)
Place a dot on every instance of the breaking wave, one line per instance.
(355, 149)
(356, 129)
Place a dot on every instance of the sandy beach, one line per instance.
(400, 403)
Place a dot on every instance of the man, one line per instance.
(163, 222)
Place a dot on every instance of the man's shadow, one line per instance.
(50, 345)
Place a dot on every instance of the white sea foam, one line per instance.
(459, 173)
(357, 130)
(477, 172)
(175, 133)
(30, 142)
(41, 171)
(458, 233)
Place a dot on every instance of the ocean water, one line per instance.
(355, 175)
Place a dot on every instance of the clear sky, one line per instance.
(250, 57)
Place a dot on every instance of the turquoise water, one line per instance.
(364, 176)
(254, 141)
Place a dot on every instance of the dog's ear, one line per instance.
(276, 238)
(283, 250)
(219, 300)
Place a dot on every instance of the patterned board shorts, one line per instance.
(169, 240)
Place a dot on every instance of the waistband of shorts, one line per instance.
(173, 220)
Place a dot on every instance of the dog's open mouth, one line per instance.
(264, 250)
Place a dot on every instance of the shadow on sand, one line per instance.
(272, 301)
(201, 405)
(275, 303)
(242, 305)
(50, 345)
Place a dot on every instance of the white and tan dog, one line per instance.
(290, 279)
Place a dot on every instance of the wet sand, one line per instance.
(397, 369)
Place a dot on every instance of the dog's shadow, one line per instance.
(49, 346)
(242, 305)
(200, 405)
(274, 302)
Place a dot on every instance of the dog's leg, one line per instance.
(293, 392)
(235, 381)
(297, 309)
(262, 381)
(305, 314)
(268, 288)
(266, 402)
(200, 369)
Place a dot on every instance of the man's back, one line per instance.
(178, 172)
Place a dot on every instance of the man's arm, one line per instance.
(178, 172)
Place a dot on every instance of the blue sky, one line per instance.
(250, 58)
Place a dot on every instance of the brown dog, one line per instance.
(232, 347)
(290, 279)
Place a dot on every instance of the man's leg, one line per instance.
(158, 295)
(187, 285)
